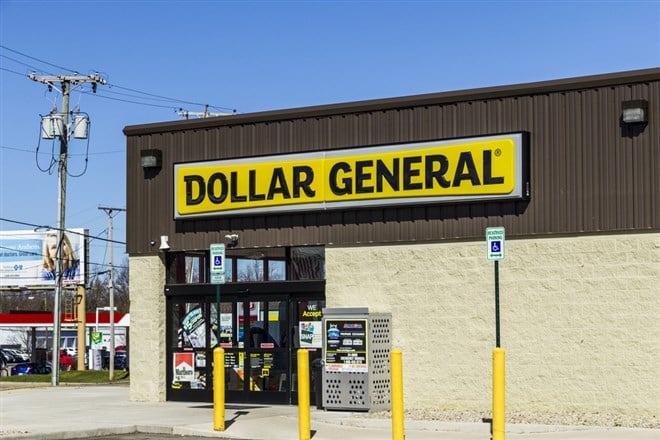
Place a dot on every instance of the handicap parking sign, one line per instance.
(217, 263)
(495, 243)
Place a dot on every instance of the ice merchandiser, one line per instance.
(356, 353)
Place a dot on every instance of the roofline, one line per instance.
(525, 89)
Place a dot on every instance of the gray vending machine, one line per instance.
(356, 356)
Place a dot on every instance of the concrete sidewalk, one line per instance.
(68, 412)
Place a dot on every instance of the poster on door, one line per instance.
(346, 346)
(184, 367)
(310, 317)
(194, 327)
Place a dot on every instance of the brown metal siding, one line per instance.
(585, 175)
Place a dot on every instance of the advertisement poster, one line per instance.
(29, 258)
(346, 346)
(194, 327)
(184, 367)
(226, 330)
(310, 322)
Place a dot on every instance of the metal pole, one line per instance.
(304, 424)
(217, 301)
(497, 304)
(61, 201)
(111, 287)
(66, 82)
(219, 389)
(396, 379)
(82, 322)
(498, 393)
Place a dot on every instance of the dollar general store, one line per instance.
(384, 204)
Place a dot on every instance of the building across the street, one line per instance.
(384, 204)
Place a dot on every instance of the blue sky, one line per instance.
(263, 55)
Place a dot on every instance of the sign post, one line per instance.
(495, 252)
(217, 270)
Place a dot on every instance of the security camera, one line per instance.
(233, 240)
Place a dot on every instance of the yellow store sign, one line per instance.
(427, 172)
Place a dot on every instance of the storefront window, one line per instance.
(192, 268)
(243, 265)
(276, 270)
(226, 327)
(229, 270)
(250, 270)
(308, 263)
(187, 268)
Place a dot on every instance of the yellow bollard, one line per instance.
(498, 394)
(304, 428)
(396, 372)
(219, 389)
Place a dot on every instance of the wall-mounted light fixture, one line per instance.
(164, 243)
(635, 112)
(151, 158)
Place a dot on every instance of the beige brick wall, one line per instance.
(580, 319)
(147, 332)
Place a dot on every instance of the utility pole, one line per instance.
(205, 114)
(111, 288)
(65, 81)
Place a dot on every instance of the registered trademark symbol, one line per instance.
(498, 152)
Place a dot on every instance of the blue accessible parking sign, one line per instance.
(217, 263)
(495, 243)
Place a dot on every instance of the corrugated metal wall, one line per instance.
(587, 173)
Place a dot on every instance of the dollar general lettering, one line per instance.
(429, 172)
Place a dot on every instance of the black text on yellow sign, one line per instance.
(429, 172)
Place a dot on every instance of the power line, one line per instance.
(12, 71)
(37, 59)
(169, 99)
(97, 95)
(24, 150)
(148, 95)
(69, 231)
(40, 254)
(19, 62)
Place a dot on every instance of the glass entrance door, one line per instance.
(257, 365)
(260, 328)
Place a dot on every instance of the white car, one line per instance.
(20, 355)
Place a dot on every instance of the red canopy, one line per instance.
(46, 319)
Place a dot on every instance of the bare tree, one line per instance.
(26, 301)
(122, 296)
(98, 294)
(24, 339)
